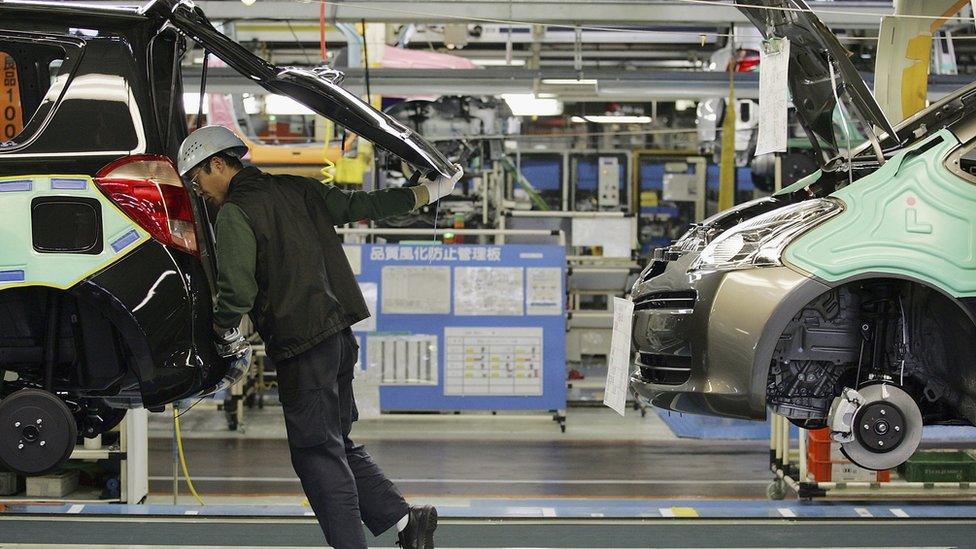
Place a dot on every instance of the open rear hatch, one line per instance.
(319, 89)
(813, 48)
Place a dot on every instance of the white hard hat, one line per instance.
(206, 142)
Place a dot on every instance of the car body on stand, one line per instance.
(106, 258)
(847, 300)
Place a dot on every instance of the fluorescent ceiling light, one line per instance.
(498, 62)
(570, 81)
(282, 105)
(609, 119)
(527, 104)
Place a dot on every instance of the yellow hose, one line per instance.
(179, 447)
(328, 172)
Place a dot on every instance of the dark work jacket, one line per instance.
(306, 290)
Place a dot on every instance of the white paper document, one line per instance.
(370, 291)
(543, 291)
(354, 253)
(403, 359)
(618, 362)
(616, 235)
(493, 361)
(774, 66)
(416, 290)
(488, 291)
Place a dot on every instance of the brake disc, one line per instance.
(885, 429)
(37, 432)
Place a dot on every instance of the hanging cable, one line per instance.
(328, 171)
(299, 42)
(182, 456)
(844, 123)
(369, 94)
(203, 89)
(322, 30)
(329, 167)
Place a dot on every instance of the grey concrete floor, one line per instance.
(439, 458)
(584, 423)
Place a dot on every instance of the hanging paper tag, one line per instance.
(618, 363)
(774, 64)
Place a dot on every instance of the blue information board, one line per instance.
(492, 318)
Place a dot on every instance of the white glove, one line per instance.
(232, 346)
(442, 186)
(230, 343)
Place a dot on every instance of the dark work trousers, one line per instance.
(344, 486)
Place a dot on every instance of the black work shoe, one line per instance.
(419, 533)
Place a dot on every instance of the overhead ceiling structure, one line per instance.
(601, 50)
(850, 14)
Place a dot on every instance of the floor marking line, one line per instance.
(900, 513)
(485, 480)
(862, 512)
(786, 512)
(548, 511)
(75, 509)
(666, 512)
(191, 512)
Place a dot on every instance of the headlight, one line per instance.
(700, 234)
(760, 241)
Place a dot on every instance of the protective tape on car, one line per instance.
(912, 217)
(22, 265)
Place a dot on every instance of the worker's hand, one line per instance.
(442, 186)
(230, 342)
(232, 346)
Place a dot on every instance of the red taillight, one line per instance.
(149, 190)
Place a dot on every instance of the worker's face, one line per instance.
(211, 179)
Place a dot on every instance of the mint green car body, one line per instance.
(912, 218)
(60, 271)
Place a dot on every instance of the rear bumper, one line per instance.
(159, 299)
(705, 340)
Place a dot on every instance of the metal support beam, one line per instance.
(612, 85)
(863, 14)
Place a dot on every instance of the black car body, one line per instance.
(94, 104)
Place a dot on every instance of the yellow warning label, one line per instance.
(11, 111)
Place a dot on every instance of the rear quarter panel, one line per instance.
(27, 266)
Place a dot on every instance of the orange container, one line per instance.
(844, 471)
(820, 435)
(818, 445)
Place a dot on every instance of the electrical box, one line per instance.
(680, 187)
(608, 182)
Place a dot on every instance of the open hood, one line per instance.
(318, 89)
(812, 48)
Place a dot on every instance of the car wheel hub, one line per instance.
(37, 432)
(879, 427)
(884, 429)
